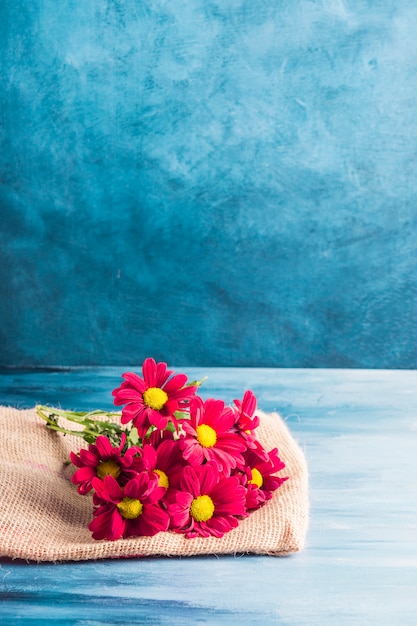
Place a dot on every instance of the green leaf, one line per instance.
(196, 383)
(134, 436)
(181, 415)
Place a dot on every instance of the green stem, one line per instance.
(74, 416)
(49, 415)
(53, 425)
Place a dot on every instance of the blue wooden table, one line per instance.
(358, 429)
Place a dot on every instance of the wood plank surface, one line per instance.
(358, 429)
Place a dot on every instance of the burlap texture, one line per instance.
(43, 518)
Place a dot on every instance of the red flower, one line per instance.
(153, 399)
(102, 459)
(245, 412)
(260, 481)
(206, 504)
(131, 511)
(246, 422)
(208, 436)
(165, 460)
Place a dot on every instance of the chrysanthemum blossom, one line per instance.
(246, 420)
(102, 459)
(153, 399)
(209, 436)
(260, 477)
(206, 504)
(165, 460)
(130, 511)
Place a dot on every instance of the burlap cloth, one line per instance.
(43, 518)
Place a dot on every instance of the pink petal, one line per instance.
(167, 454)
(162, 374)
(208, 477)
(213, 410)
(231, 443)
(276, 462)
(271, 483)
(142, 424)
(158, 420)
(149, 457)
(136, 381)
(113, 489)
(190, 482)
(183, 395)
(117, 526)
(122, 442)
(75, 460)
(123, 396)
(201, 530)
(153, 520)
(82, 475)
(133, 410)
(149, 372)
(229, 497)
(192, 452)
(169, 407)
(222, 422)
(221, 525)
(249, 403)
(100, 524)
(196, 410)
(104, 446)
(138, 486)
(179, 511)
(175, 383)
(89, 458)
(154, 496)
(188, 428)
(225, 460)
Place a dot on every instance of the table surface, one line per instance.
(358, 429)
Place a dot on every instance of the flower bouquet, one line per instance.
(173, 461)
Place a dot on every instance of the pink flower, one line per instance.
(153, 399)
(246, 422)
(245, 412)
(209, 436)
(259, 480)
(102, 459)
(165, 460)
(130, 511)
(205, 503)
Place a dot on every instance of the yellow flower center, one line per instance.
(155, 398)
(108, 468)
(202, 508)
(163, 478)
(130, 508)
(257, 478)
(206, 435)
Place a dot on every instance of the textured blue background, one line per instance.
(209, 184)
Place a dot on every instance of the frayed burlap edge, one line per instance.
(43, 518)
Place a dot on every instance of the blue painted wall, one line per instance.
(210, 183)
